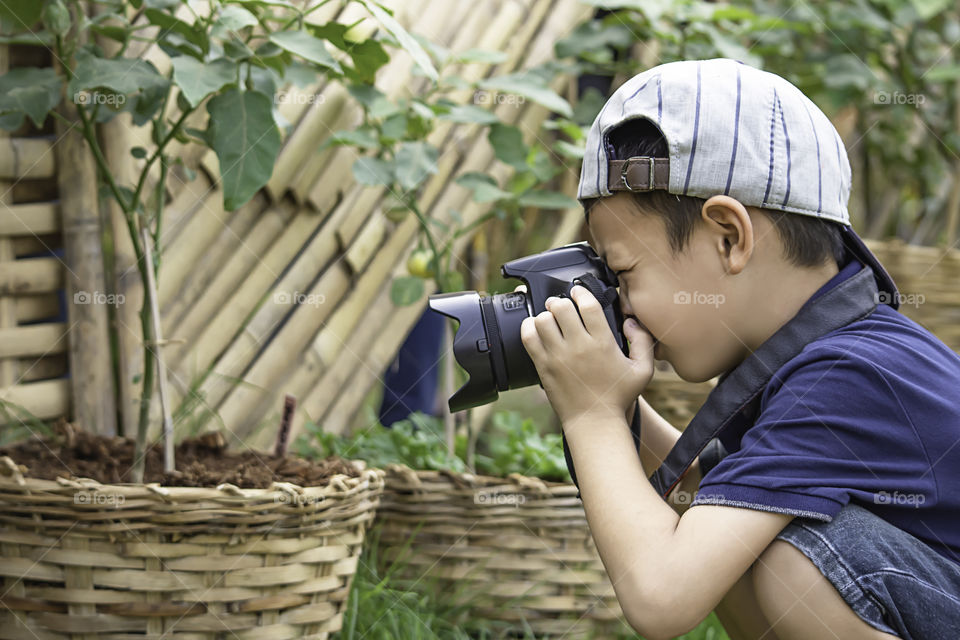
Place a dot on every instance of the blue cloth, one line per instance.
(891, 580)
(410, 383)
(869, 414)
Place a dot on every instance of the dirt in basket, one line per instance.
(202, 461)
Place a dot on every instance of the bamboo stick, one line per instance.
(151, 291)
(213, 235)
(33, 340)
(92, 381)
(115, 139)
(26, 158)
(44, 399)
(30, 219)
(10, 224)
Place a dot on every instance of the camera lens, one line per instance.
(487, 344)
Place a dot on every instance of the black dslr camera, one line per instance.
(487, 343)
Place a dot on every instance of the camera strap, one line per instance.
(735, 402)
(733, 405)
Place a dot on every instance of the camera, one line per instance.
(487, 342)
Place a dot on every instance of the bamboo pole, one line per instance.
(91, 381)
(26, 159)
(44, 399)
(125, 278)
(11, 221)
(157, 346)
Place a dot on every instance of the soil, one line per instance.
(202, 461)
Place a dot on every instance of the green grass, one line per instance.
(381, 608)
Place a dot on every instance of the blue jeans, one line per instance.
(895, 582)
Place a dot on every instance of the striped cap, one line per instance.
(730, 129)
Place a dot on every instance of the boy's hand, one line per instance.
(582, 369)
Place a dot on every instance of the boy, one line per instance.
(830, 502)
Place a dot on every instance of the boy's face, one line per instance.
(684, 300)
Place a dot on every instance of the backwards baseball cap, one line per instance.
(735, 130)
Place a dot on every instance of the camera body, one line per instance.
(487, 343)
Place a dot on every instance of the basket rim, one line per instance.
(12, 478)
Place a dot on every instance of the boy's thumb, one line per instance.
(641, 341)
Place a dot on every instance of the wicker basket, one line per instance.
(515, 551)
(83, 560)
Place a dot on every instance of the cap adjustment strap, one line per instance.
(639, 173)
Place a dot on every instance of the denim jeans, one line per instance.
(891, 579)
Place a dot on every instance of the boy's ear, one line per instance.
(731, 230)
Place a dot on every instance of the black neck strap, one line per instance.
(734, 402)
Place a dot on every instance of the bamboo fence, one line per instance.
(230, 282)
(48, 235)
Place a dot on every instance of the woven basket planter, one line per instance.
(84, 560)
(516, 551)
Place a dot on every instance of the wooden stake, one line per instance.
(151, 299)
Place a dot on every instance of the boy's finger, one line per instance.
(591, 312)
(566, 315)
(641, 341)
(548, 330)
(531, 339)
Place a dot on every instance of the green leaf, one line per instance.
(547, 200)
(236, 18)
(306, 46)
(23, 14)
(526, 85)
(469, 114)
(926, 9)
(368, 56)
(567, 150)
(484, 187)
(406, 41)
(120, 75)
(372, 171)
(197, 80)
(405, 290)
(30, 92)
(507, 142)
(362, 138)
(414, 162)
(943, 73)
(169, 24)
(245, 138)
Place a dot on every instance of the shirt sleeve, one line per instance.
(831, 428)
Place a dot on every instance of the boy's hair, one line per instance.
(807, 241)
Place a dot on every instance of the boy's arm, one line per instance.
(669, 571)
(657, 437)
